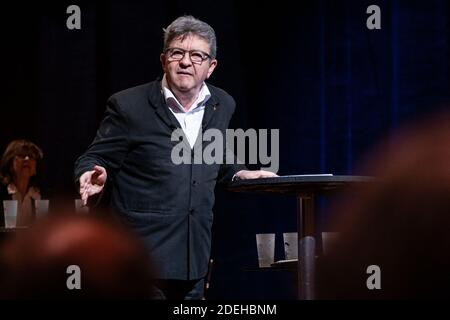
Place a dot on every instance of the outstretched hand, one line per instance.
(92, 182)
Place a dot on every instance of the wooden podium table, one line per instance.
(305, 188)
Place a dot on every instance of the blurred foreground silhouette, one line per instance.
(112, 261)
(400, 223)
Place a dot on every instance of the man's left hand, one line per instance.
(254, 174)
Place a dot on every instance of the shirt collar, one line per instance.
(33, 192)
(171, 100)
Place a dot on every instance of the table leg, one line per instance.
(306, 246)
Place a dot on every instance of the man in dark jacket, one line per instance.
(168, 204)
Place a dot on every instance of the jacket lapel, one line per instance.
(158, 102)
(211, 108)
(156, 99)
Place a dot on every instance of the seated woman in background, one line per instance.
(19, 179)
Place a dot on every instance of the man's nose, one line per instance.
(186, 60)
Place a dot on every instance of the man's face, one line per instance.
(184, 75)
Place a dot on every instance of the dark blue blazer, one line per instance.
(168, 205)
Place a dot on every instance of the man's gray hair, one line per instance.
(186, 25)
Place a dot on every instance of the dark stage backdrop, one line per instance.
(312, 70)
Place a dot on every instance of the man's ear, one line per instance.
(211, 68)
(162, 59)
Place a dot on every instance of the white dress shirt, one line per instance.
(191, 120)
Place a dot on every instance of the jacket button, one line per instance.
(191, 211)
(194, 182)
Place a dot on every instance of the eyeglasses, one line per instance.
(23, 156)
(196, 56)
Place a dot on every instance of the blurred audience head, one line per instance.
(22, 158)
(400, 223)
(112, 262)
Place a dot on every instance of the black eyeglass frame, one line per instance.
(204, 55)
